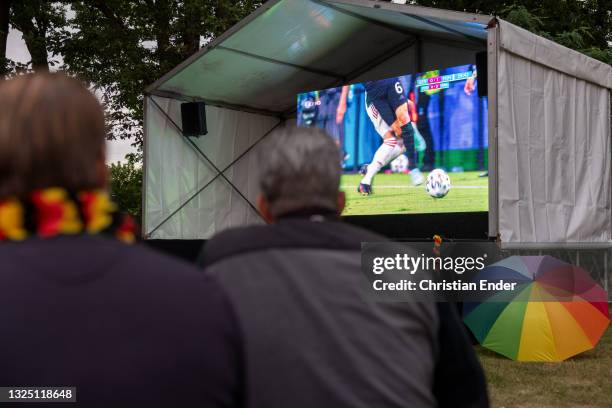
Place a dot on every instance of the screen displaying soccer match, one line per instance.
(410, 144)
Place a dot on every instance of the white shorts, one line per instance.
(382, 127)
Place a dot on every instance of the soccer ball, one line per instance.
(438, 183)
(399, 165)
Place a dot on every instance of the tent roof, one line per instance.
(290, 46)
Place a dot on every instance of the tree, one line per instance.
(117, 46)
(40, 22)
(150, 37)
(584, 25)
(126, 186)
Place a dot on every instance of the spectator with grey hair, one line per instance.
(300, 171)
(309, 339)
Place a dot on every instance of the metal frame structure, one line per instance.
(369, 13)
(492, 61)
(421, 14)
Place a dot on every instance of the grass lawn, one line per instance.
(582, 381)
(394, 194)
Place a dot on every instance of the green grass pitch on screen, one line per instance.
(393, 194)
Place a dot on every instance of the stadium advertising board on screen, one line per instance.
(411, 144)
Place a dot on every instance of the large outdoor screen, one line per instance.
(411, 144)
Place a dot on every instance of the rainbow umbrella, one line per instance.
(557, 310)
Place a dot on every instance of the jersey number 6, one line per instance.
(398, 88)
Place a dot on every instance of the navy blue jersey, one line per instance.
(386, 95)
(388, 90)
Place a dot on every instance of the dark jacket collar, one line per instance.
(314, 231)
(311, 214)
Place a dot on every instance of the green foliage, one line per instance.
(39, 21)
(120, 46)
(573, 33)
(520, 16)
(126, 185)
(583, 25)
(123, 46)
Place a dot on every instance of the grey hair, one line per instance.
(299, 170)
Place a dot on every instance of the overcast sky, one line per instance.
(17, 51)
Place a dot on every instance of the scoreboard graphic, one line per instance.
(427, 83)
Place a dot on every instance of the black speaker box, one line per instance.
(193, 115)
(481, 69)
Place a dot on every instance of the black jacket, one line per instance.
(311, 340)
(125, 325)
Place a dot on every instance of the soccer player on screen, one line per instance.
(325, 109)
(332, 108)
(388, 109)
